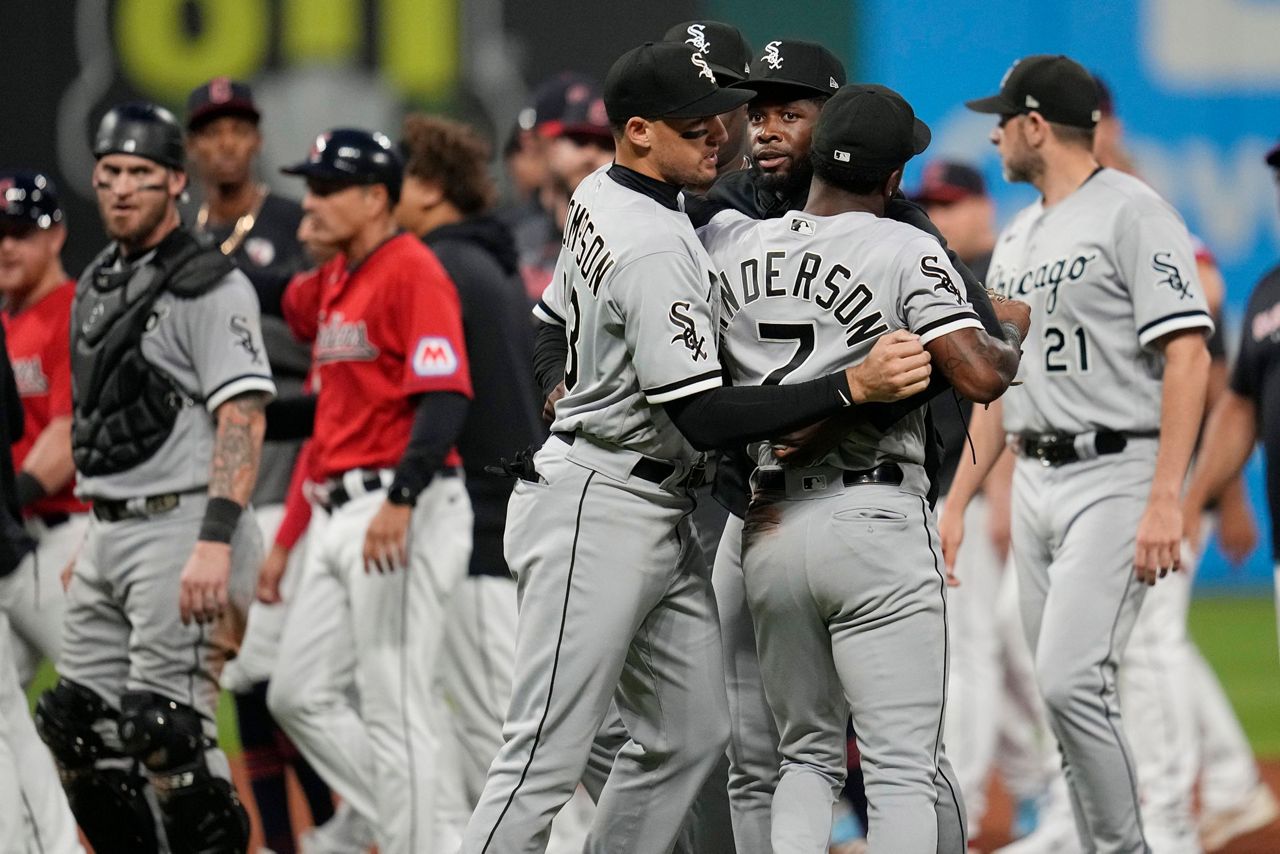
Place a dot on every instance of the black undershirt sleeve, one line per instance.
(730, 416)
(550, 353)
(437, 423)
(290, 418)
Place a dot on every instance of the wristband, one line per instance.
(1012, 334)
(28, 489)
(220, 518)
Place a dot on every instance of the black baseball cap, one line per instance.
(868, 125)
(352, 156)
(221, 96)
(948, 181)
(807, 66)
(722, 45)
(141, 129)
(666, 80)
(28, 201)
(1055, 86)
(555, 99)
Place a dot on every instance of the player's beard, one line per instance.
(791, 185)
(149, 218)
(1023, 164)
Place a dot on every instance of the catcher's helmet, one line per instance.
(142, 129)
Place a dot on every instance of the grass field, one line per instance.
(1236, 634)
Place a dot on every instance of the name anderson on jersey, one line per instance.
(834, 292)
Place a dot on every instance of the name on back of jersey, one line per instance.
(828, 286)
(592, 257)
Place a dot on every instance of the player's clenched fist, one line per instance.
(1013, 311)
(896, 367)
(203, 591)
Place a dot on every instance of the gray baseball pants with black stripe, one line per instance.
(1074, 533)
(848, 599)
(615, 605)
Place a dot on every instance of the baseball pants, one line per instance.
(753, 736)
(264, 623)
(34, 815)
(32, 595)
(1074, 528)
(380, 634)
(1156, 696)
(974, 686)
(844, 589)
(615, 604)
(122, 630)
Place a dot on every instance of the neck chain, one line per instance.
(243, 226)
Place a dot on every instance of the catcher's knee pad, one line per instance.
(108, 802)
(202, 813)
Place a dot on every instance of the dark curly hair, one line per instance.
(453, 155)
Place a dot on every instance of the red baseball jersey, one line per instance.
(389, 330)
(40, 349)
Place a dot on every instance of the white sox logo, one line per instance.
(698, 38)
(688, 334)
(244, 337)
(942, 279)
(1162, 263)
(705, 70)
(771, 55)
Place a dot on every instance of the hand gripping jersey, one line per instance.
(640, 334)
(1107, 271)
(804, 296)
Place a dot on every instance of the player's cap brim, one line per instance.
(1000, 105)
(726, 76)
(1273, 157)
(921, 136)
(323, 172)
(771, 86)
(712, 104)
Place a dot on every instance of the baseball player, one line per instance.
(34, 815)
(1103, 424)
(1243, 416)
(824, 633)
(617, 604)
(728, 53)
(256, 229)
(390, 535)
(170, 381)
(36, 314)
(793, 82)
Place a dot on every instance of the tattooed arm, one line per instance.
(978, 365)
(237, 448)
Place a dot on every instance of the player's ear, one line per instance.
(177, 182)
(894, 183)
(58, 237)
(639, 132)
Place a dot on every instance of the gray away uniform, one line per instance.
(615, 596)
(845, 583)
(1108, 271)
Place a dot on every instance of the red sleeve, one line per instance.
(301, 301)
(297, 510)
(58, 361)
(431, 324)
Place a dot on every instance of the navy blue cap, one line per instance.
(29, 197)
(221, 96)
(354, 156)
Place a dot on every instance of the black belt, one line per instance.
(654, 471)
(890, 473)
(371, 479)
(1055, 449)
(114, 511)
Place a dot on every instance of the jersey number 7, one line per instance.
(804, 334)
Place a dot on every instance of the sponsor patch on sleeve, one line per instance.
(434, 357)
